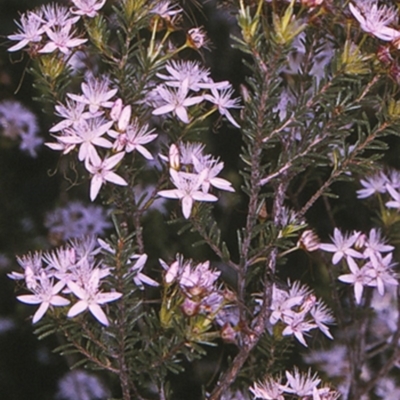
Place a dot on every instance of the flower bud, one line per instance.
(228, 334)
(308, 241)
(124, 118)
(190, 307)
(116, 110)
(174, 161)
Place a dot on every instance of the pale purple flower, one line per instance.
(179, 71)
(134, 137)
(187, 190)
(140, 278)
(395, 202)
(45, 294)
(375, 18)
(198, 280)
(322, 316)
(381, 272)
(89, 8)
(374, 244)
(359, 277)
(176, 101)
(56, 15)
(300, 384)
(296, 325)
(165, 9)
(269, 389)
(90, 297)
(222, 99)
(62, 39)
(32, 266)
(102, 172)
(212, 168)
(30, 31)
(341, 246)
(88, 134)
(96, 94)
(73, 113)
(373, 184)
(76, 219)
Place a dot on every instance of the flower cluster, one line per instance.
(193, 173)
(193, 289)
(87, 119)
(66, 274)
(366, 259)
(188, 84)
(75, 220)
(17, 123)
(299, 311)
(50, 28)
(296, 385)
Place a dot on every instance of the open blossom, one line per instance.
(270, 389)
(102, 171)
(375, 18)
(373, 184)
(176, 101)
(133, 138)
(61, 39)
(341, 246)
(89, 8)
(187, 190)
(91, 297)
(96, 94)
(56, 15)
(30, 31)
(45, 294)
(222, 99)
(139, 277)
(88, 134)
(212, 168)
(359, 277)
(395, 202)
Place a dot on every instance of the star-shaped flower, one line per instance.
(187, 190)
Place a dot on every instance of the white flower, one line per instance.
(374, 18)
(341, 246)
(102, 172)
(187, 190)
(45, 294)
(90, 297)
(31, 31)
